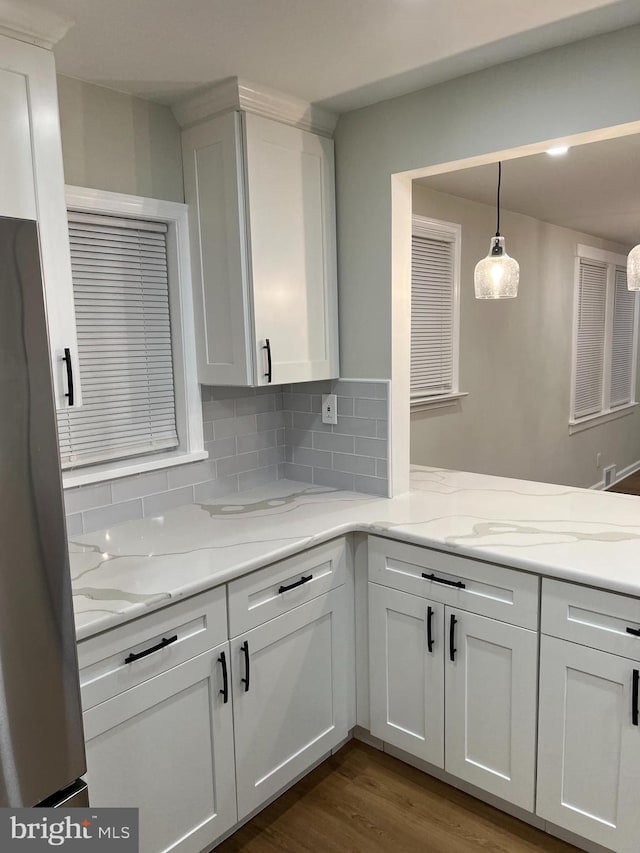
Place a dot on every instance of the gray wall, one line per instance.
(112, 141)
(515, 361)
(577, 88)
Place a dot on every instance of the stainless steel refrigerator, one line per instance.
(41, 739)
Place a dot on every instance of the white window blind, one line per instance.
(592, 305)
(432, 316)
(622, 341)
(120, 285)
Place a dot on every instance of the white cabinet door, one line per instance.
(490, 700)
(32, 187)
(214, 190)
(262, 219)
(166, 747)
(18, 192)
(290, 195)
(588, 745)
(290, 696)
(406, 672)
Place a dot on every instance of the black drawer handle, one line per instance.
(303, 579)
(245, 651)
(436, 579)
(267, 346)
(164, 642)
(452, 638)
(68, 362)
(429, 632)
(222, 660)
(634, 697)
(634, 631)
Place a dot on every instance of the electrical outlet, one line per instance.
(598, 460)
(329, 409)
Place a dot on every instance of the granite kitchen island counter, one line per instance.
(130, 569)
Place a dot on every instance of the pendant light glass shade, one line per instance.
(497, 275)
(633, 268)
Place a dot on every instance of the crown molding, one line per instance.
(237, 94)
(32, 23)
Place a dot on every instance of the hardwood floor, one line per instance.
(363, 801)
(628, 486)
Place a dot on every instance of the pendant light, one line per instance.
(633, 268)
(497, 275)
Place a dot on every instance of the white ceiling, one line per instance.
(594, 188)
(342, 53)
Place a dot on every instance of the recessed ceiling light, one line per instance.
(557, 150)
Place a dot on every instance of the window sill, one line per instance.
(441, 402)
(125, 468)
(601, 418)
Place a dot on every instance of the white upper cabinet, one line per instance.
(32, 187)
(262, 209)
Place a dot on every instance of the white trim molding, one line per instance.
(443, 401)
(237, 94)
(186, 388)
(620, 475)
(32, 23)
(601, 418)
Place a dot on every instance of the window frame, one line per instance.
(188, 400)
(607, 413)
(439, 229)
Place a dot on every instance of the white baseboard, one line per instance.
(620, 475)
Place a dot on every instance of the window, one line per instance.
(435, 276)
(605, 339)
(140, 397)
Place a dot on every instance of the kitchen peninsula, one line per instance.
(305, 611)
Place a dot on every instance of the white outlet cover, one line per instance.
(329, 409)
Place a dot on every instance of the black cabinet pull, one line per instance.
(222, 660)
(436, 579)
(303, 579)
(267, 346)
(634, 631)
(429, 634)
(452, 637)
(67, 360)
(245, 651)
(164, 642)
(634, 697)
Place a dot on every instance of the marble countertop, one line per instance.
(577, 534)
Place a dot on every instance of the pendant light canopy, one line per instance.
(497, 275)
(633, 268)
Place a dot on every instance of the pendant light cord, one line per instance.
(498, 198)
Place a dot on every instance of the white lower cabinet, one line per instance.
(455, 689)
(589, 743)
(406, 682)
(166, 747)
(289, 696)
(491, 704)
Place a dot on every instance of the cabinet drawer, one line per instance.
(198, 624)
(267, 593)
(591, 617)
(505, 594)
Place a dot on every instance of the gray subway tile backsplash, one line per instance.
(333, 479)
(353, 464)
(255, 436)
(107, 516)
(315, 458)
(291, 471)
